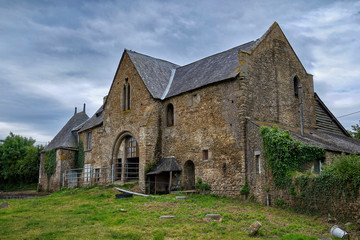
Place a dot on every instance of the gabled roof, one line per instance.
(95, 120)
(212, 69)
(154, 72)
(166, 165)
(66, 138)
(325, 120)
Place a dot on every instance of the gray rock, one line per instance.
(123, 210)
(4, 205)
(213, 217)
(166, 216)
(180, 197)
(254, 228)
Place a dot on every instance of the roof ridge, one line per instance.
(158, 59)
(228, 50)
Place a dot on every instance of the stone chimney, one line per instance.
(75, 111)
(84, 108)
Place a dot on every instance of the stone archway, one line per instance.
(189, 175)
(125, 158)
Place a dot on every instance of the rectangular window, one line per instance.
(89, 137)
(97, 174)
(87, 173)
(131, 148)
(205, 154)
(317, 166)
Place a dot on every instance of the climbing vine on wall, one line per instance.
(50, 162)
(286, 155)
(80, 156)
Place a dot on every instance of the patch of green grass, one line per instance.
(295, 236)
(94, 213)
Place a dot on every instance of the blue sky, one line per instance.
(57, 55)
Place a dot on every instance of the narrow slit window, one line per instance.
(296, 86)
(89, 138)
(170, 115)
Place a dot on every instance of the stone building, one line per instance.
(201, 120)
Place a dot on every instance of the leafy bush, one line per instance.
(245, 189)
(202, 186)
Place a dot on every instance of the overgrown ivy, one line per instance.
(50, 162)
(336, 182)
(286, 155)
(80, 156)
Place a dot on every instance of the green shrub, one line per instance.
(245, 189)
(202, 186)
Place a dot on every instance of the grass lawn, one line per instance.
(94, 213)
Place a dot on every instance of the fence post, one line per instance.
(112, 173)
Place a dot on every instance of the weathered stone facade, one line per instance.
(206, 115)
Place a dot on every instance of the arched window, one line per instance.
(296, 86)
(170, 115)
(126, 96)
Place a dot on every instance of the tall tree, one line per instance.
(355, 131)
(19, 160)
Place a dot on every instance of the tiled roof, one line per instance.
(95, 120)
(66, 138)
(166, 165)
(212, 69)
(154, 72)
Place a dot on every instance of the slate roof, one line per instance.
(95, 120)
(312, 137)
(166, 165)
(66, 138)
(215, 68)
(329, 141)
(154, 72)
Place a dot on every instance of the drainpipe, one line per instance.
(301, 110)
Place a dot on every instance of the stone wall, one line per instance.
(269, 73)
(209, 119)
(64, 161)
(141, 122)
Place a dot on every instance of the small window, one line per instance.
(87, 172)
(128, 97)
(124, 98)
(89, 137)
(317, 166)
(205, 154)
(170, 115)
(258, 162)
(296, 86)
(97, 174)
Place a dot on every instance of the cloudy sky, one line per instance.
(57, 55)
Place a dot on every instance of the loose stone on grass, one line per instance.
(180, 197)
(254, 228)
(123, 210)
(166, 217)
(4, 205)
(213, 217)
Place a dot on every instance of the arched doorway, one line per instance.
(126, 158)
(189, 175)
